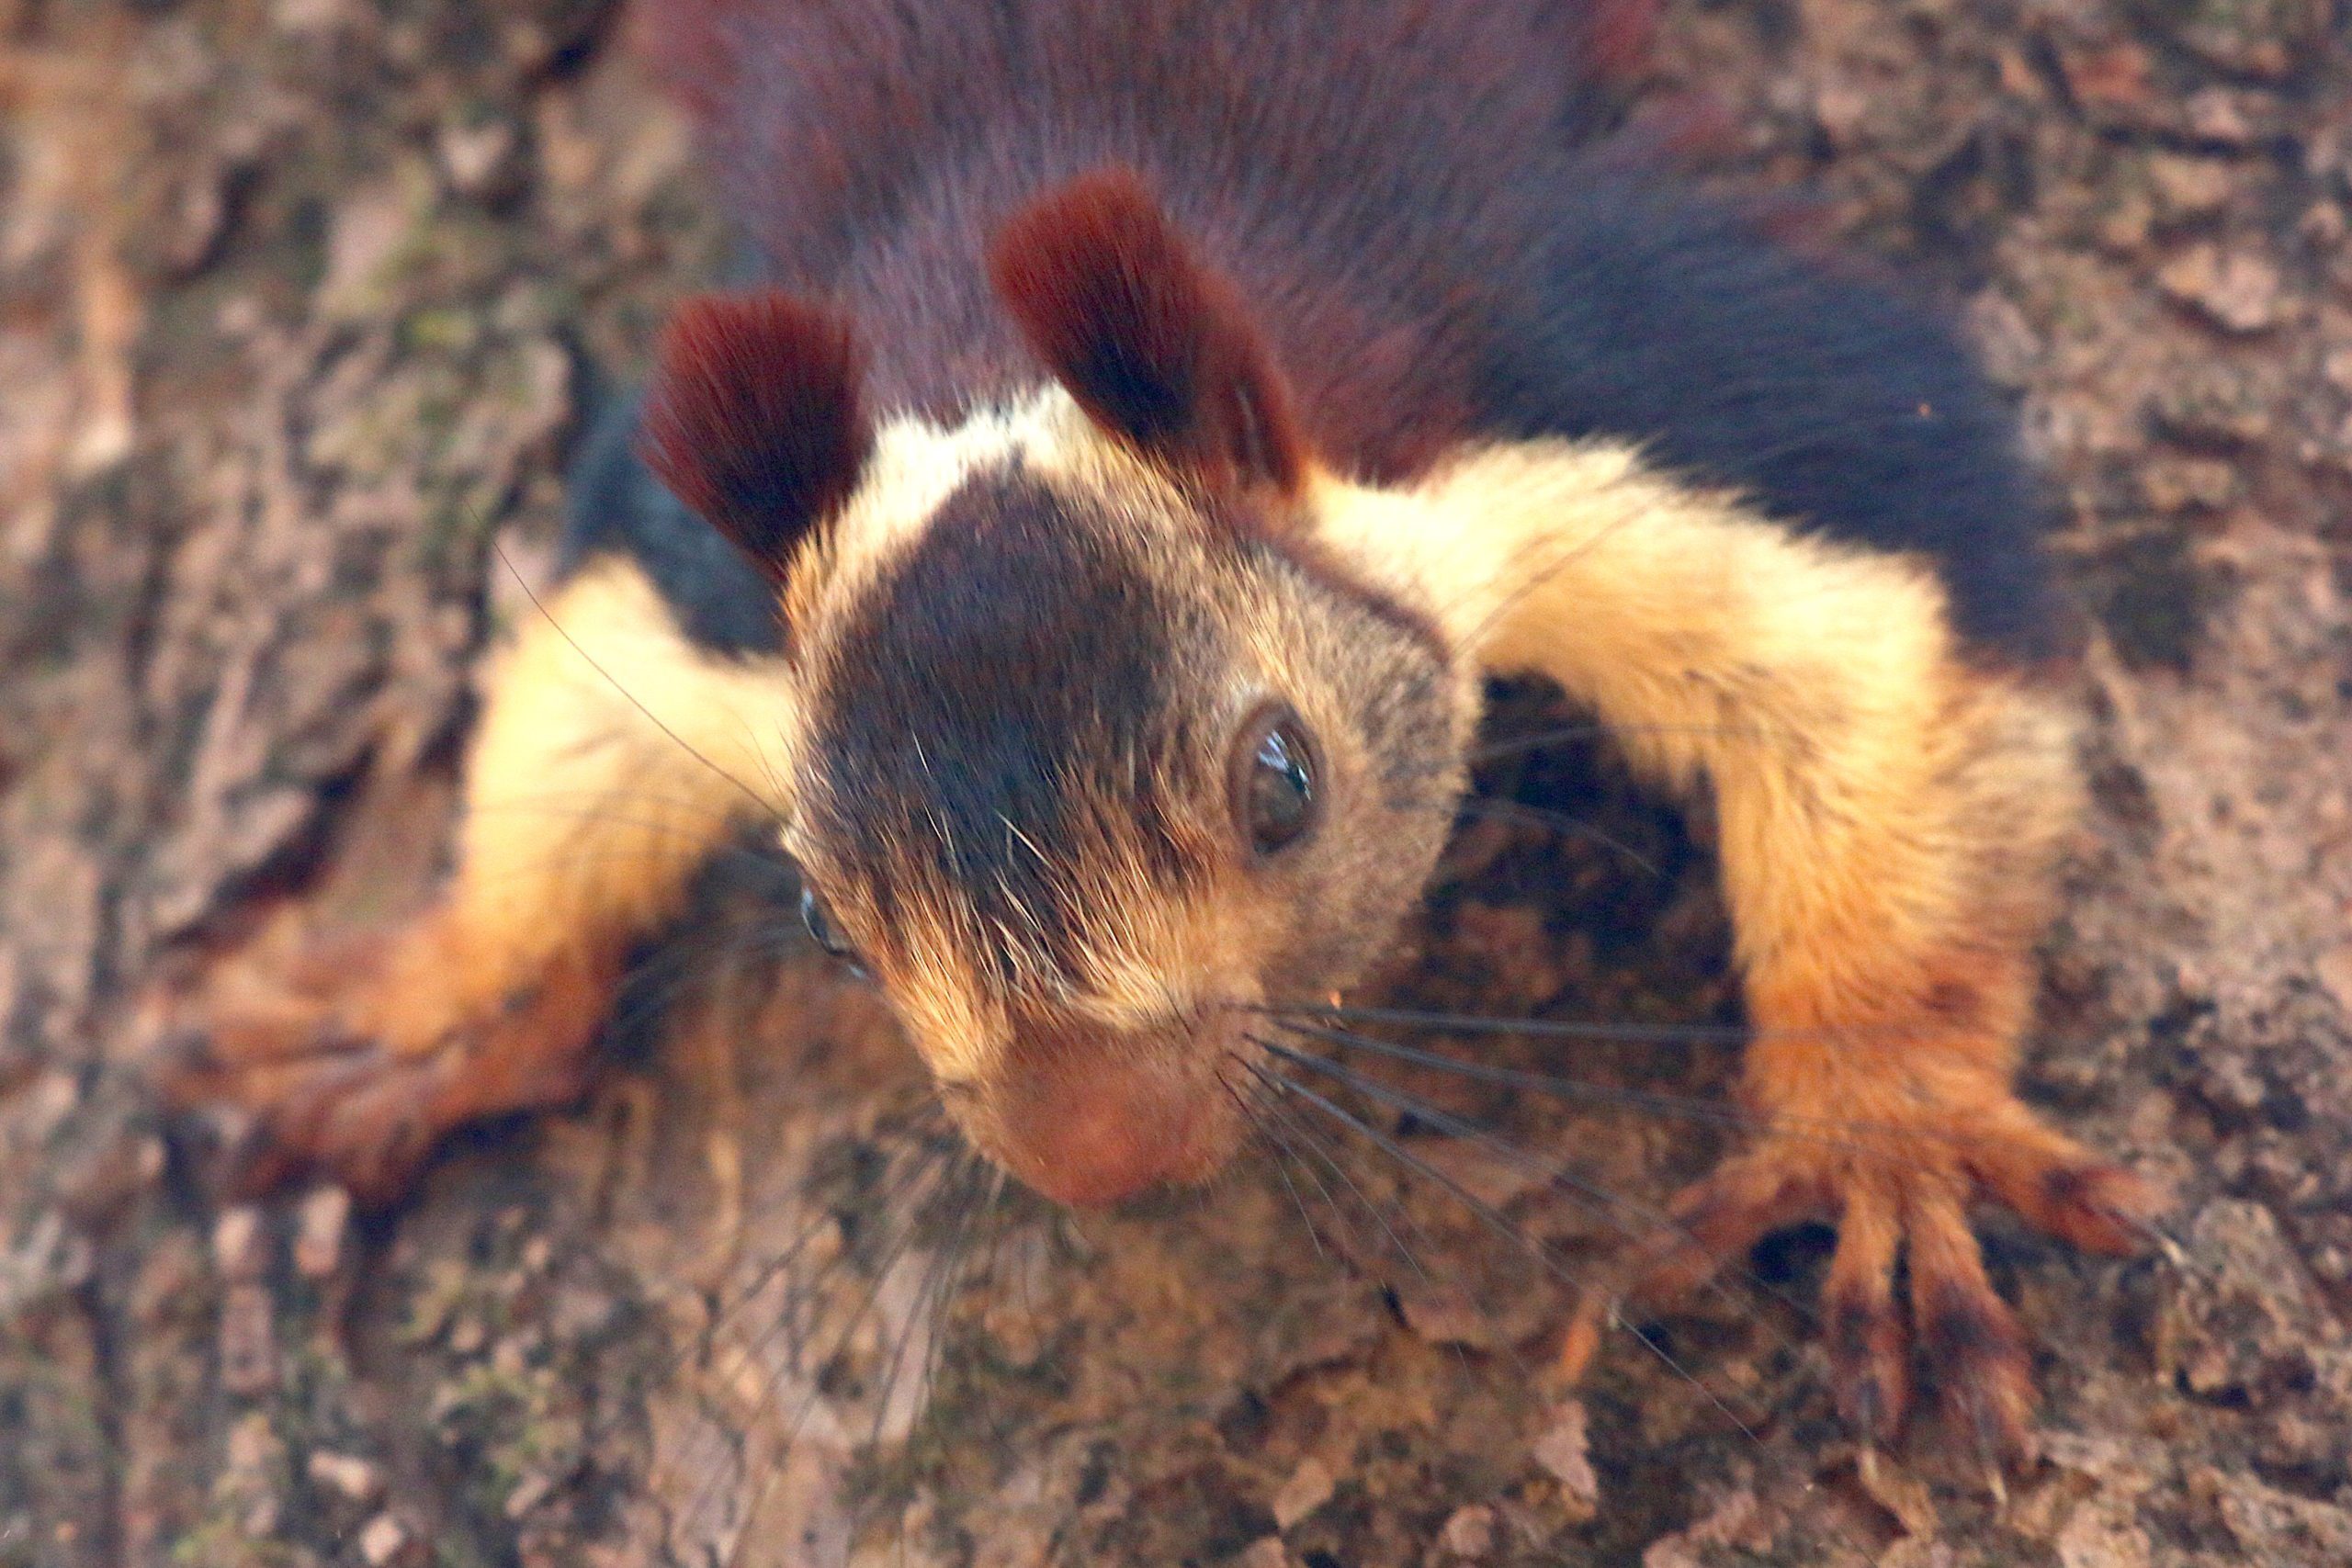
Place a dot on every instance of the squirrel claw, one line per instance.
(346, 1110)
(352, 1064)
(1911, 1201)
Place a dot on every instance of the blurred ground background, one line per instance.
(301, 303)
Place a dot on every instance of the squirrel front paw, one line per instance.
(356, 1062)
(1896, 1190)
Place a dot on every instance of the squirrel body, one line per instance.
(1151, 428)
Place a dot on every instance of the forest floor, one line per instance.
(300, 304)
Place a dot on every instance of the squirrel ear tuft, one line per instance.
(1154, 345)
(755, 418)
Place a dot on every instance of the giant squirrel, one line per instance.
(1147, 430)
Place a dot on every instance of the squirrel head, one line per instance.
(1092, 750)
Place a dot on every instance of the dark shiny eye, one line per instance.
(1273, 782)
(822, 930)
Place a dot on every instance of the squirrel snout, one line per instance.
(1092, 1136)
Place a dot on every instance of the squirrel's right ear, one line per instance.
(756, 418)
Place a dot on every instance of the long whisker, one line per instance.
(1541, 1028)
(1535, 579)
(1875, 1140)
(1487, 1214)
(1543, 739)
(767, 1274)
(901, 1204)
(938, 1276)
(1594, 1029)
(898, 1189)
(1546, 816)
(653, 984)
(902, 1235)
(1588, 1196)
(765, 807)
(1279, 1147)
(1552, 1084)
(986, 1206)
(1279, 1087)
(1280, 1113)
(981, 1188)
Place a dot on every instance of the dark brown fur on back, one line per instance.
(877, 147)
(1419, 204)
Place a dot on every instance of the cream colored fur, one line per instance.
(1878, 799)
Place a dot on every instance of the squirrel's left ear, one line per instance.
(756, 418)
(1154, 345)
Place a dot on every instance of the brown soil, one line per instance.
(300, 302)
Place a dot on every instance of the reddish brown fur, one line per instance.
(880, 145)
(693, 43)
(1615, 39)
(1152, 344)
(756, 417)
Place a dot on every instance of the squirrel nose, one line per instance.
(1095, 1137)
